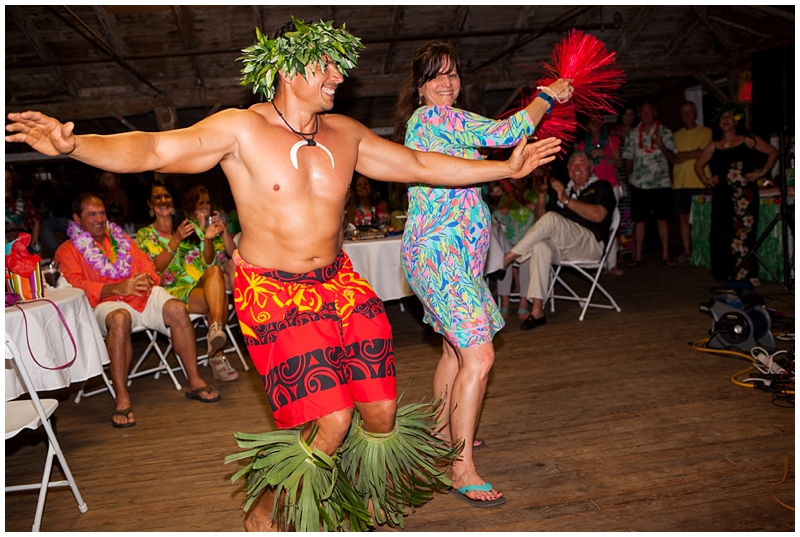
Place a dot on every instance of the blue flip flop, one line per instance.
(461, 494)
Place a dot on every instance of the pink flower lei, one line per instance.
(84, 243)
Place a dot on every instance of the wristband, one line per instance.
(567, 203)
(549, 99)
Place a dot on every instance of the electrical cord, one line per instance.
(756, 365)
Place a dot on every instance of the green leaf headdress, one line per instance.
(292, 52)
(737, 110)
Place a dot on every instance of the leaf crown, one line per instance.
(293, 51)
(737, 110)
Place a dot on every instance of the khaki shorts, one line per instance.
(152, 317)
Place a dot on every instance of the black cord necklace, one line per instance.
(310, 140)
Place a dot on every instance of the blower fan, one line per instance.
(739, 322)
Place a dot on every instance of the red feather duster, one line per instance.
(585, 60)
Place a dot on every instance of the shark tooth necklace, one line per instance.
(307, 139)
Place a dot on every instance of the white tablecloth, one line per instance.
(378, 261)
(51, 344)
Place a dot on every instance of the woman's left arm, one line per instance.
(771, 151)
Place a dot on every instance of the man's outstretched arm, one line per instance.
(191, 150)
(391, 162)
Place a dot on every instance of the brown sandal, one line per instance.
(124, 412)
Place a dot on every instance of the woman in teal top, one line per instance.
(446, 239)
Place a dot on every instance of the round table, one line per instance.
(50, 342)
(378, 262)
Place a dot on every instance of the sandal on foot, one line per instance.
(461, 494)
(124, 412)
(222, 369)
(195, 394)
(636, 263)
(216, 338)
(523, 313)
(616, 271)
(669, 263)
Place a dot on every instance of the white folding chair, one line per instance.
(202, 359)
(30, 414)
(136, 371)
(589, 269)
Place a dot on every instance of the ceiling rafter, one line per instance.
(459, 23)
(722, 36)
(642, 18)
(183, 21)
(34, 37)
(680, 36)
(561, 20)
(98, 42)
(397, 18)
(739, 20)
(774, 12)
(526, 13)
(114, 41)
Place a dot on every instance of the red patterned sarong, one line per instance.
(320, 340)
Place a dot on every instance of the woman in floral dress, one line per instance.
(735, 200)
(190, 270)
(446, 239)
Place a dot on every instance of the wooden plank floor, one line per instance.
(611, 424)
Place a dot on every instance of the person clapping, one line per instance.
(188, 268)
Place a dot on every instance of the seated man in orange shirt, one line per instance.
(122, 286)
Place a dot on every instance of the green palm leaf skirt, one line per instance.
(398, 470)
(394, 471)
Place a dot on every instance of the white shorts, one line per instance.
(152, 317)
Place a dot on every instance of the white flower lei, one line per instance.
(84, 243)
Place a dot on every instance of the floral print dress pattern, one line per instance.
(447, 232)
(187, 265)
(734, 213)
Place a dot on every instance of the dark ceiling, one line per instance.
(116, 68)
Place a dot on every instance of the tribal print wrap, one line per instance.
(321, 341)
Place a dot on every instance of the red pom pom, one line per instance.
(585, 59)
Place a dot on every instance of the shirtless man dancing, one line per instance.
(315, 330)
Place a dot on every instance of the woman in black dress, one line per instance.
(732, 157)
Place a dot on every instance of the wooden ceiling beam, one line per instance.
(561, 20)
(712, 88)
(526, 13)
(774, 12)
(114, 41)
(680, 36)
(740, 21)
(186, 30)
(34, 37)
(719, 32)
(397, 17)
(98, 42)
(640, 20)
(139, 105)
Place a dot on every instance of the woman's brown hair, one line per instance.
(426, 64)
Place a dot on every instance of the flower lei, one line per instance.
(120, 244)
(291, 53)
(652, 148)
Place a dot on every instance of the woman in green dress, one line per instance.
(189, 269)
